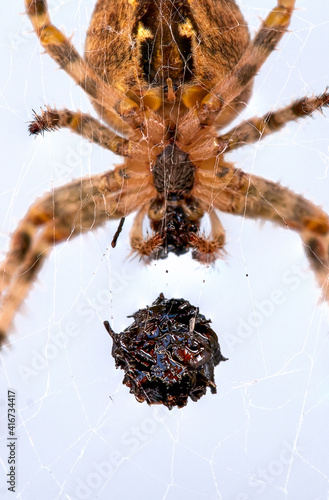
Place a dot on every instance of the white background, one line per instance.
(81, 435)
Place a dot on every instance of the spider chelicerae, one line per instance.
(165, 76)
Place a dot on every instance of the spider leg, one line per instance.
(80, 206)
(64, 53)
(82, 124)
(265, 41)
(255, 197)
(257, 128)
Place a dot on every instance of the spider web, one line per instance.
(80, 434)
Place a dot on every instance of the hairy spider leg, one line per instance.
(207, 250)
(259, 49)
(121, 108)
(82, 124)
(257, 128)
(255, 197)
(144, 247)
(69, 210)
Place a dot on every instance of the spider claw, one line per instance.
(47, 121)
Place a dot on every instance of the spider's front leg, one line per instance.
(121, 108)
(82, 124)
(255, 197)
(255, 129)
(77, 207)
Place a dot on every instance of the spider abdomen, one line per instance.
(142, 43)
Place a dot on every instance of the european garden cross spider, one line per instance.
(166, 75)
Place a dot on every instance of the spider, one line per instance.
(165, 76)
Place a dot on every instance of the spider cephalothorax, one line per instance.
(165, 76)
(174, 213)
